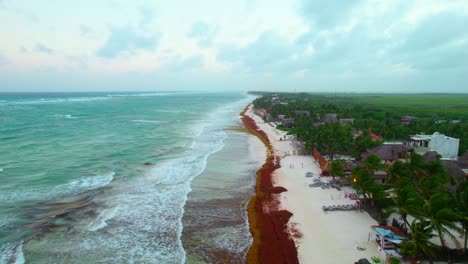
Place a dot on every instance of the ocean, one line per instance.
(124, 178)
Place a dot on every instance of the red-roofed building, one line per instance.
(373, 136)
(406, 120)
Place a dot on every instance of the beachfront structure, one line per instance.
(419, 140)
(262, 112)
(446, 146)
(388, 239)
(406, 120)
(288, 123)
(330, 118)
(373, 136)
(280, 117)
(388, 153)
(457, 168)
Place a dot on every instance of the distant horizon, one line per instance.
(227, 91)
(353, 46)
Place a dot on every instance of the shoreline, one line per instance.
(268, 224)
(215, 222)
(317, 236)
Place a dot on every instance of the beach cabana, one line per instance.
(389, 240)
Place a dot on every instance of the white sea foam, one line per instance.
(148, 121)
(56, 100)
(171, 111)
(145, 224)
(74, 187)
(19, 255)
(12, 253)
(143, 219)
(66, 116)
(100, 221)
(69, 117)
(141, 94)
(230, 239)
(88, 183)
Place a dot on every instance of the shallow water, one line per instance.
(105, 177)
(215, 220)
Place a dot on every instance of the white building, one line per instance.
(447, 147)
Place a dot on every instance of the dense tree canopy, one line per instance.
(380, 113)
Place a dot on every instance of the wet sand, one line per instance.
(215, 218)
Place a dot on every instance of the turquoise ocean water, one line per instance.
(104, 178)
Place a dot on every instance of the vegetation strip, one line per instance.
(268, 225)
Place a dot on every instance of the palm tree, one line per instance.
(335, 168)
(434, 179)
(398, 171)
(364, 181)
(417, 165)
(438, 211)
(362, 144)
(373, 163)
(421, 234)
(461, 202)
(407, 202)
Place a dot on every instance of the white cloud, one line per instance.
(303, 42)
(203, 32)
(39, 47)
(124, 40)
(3, 60)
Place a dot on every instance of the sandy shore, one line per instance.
(331, 237)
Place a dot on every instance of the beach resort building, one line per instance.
(288, 123)
(445, 146)
(373, 136)
(280, 118)
(388, 153)
(457, 168)
(406, 120)
(388, 239)
(262, 112)
(330, 118)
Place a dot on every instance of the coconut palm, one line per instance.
(417, 165)
(434, 179)
(421, 235)
(461, 202)
(398, 173)
(335, 168)
(373, 163)
(407, 202)
(439, 213)
(364, 181)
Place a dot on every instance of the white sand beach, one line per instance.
(327, 237)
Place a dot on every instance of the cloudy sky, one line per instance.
(303, 45)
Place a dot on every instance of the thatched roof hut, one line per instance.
(387, 152)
